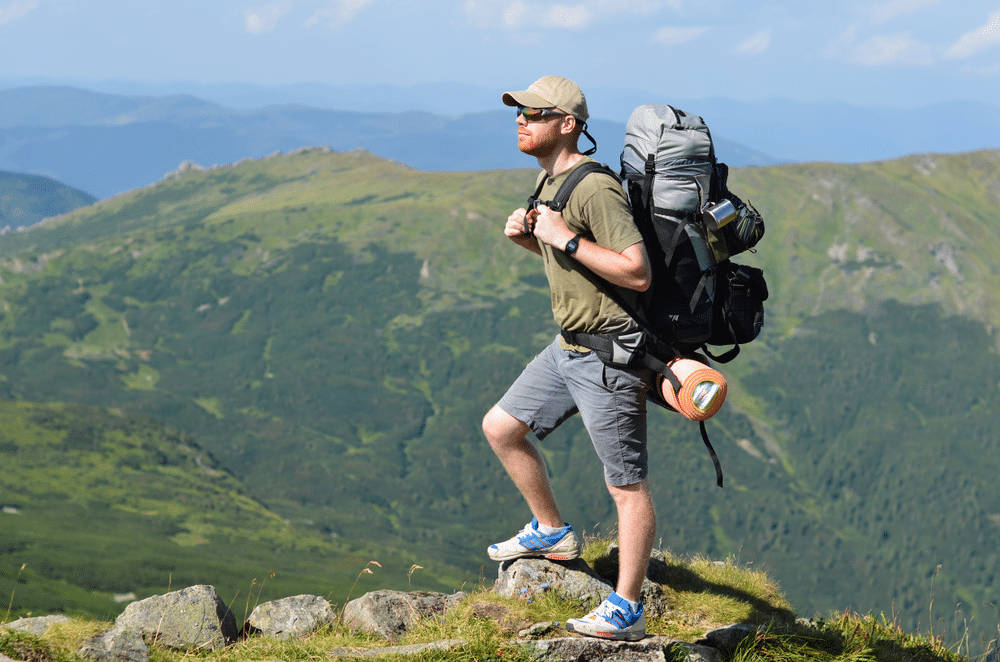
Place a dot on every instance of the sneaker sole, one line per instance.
(555, 556)
(614, 636)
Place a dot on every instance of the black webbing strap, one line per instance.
(711, 451)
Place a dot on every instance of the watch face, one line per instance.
(572, 245)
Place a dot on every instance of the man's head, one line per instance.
(551, 115)
(553, 93)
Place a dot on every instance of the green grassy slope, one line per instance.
(27, 199)
(333, 326)
(99, 503)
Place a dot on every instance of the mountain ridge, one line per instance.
(362, 314)
(109, 143)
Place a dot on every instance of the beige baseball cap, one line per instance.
(551, 92)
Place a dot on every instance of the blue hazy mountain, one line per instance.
(106, 143)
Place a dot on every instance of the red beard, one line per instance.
(539, 144)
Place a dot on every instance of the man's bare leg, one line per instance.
(636, 533)
(524, 464)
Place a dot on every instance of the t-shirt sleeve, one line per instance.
(605, 209)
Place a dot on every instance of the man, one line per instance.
(595, 232)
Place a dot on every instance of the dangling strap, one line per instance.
(711, 451)
(592, 149)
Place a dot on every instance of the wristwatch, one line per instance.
(572, 245)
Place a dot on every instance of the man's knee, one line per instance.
(636, 493)
(502, 429)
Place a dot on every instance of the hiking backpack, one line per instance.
(698, 297)
(678, 194)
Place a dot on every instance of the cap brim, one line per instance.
(526, 99)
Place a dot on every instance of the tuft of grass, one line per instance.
(28, 648)
(846, 637)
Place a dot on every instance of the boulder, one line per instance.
(570, 579)
(192, 618)
(390, 614)
(587, 649)
(413, 649)
(292, 618)
(115, 645)
(728, 638)
(37, 625)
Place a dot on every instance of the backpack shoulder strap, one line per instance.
(558, 203)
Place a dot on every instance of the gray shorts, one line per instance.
(612, 402)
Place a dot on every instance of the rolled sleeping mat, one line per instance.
(703, 389)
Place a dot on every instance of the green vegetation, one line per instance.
(27, 199)
(332, 327)
(102, 504)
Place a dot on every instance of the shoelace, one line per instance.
(613, 615)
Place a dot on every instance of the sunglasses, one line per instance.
(537, 114)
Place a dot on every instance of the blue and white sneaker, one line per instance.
(562, 546)
(613, 619)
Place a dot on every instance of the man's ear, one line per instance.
(568, 124)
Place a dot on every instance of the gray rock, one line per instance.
(444, 645)
(116, 645)
(537, 630)
(391, 613)
(727, 639)
(4, 658)
(585, 649)
(571, 579)
(195, 617)
(292, 618)
(37, 625)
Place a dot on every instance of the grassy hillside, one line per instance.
(98, 504)
(332, 327)
(27, 199)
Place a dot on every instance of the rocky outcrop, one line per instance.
(116, 645)
(291, 618)
(195, 618)
(576, 580)
(650, 649)
(36, 626)
(390, 614)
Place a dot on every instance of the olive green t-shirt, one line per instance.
(597, 209)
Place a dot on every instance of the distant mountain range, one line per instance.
(106, 143)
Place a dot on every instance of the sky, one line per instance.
(886, 53)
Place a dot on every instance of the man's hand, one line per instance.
(550, 228)
(519, 228)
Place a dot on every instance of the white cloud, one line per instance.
(572, 18)
(675, 35)
(543, 15)
(519, 14)
(16, 10)
(893, 49)
(756, 44)
(265, 19)
(890, 10)
(977, 40)
(513, 14)
(338, 12)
